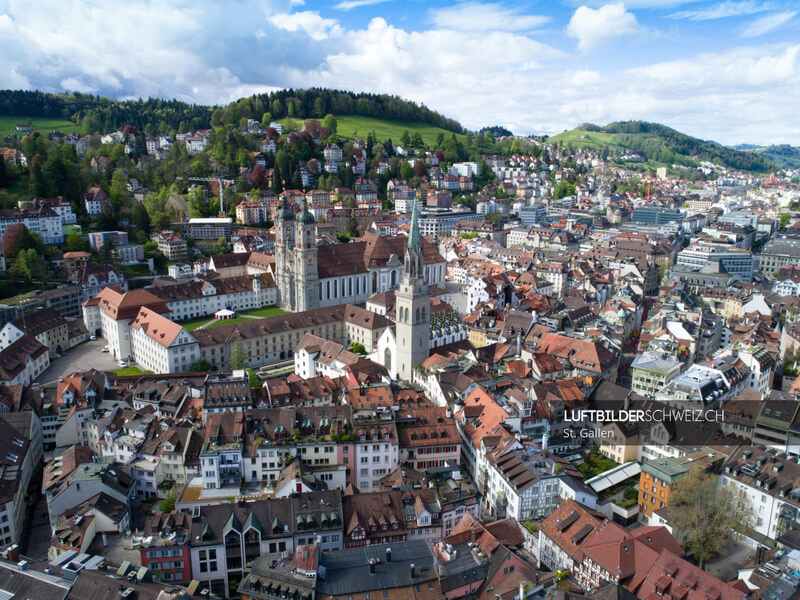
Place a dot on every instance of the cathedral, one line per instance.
(310, 276)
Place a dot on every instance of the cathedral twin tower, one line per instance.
(296, 270)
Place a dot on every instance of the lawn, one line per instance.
(192, 325)
(131, 371)
(42, 125)
(353, 126)
(267, 311)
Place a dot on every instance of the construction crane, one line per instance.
(220, 181)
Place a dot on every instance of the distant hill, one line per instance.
(783, 155)
(659, 145)
(99, 114)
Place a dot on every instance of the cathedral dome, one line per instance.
(306, 217)
(285, 213)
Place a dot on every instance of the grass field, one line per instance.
(267, 311)
(588, 139)
(8, 125)
(131, 371)
(353, 126)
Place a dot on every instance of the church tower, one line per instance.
(306, 272)
(284, 256)
(412, 307)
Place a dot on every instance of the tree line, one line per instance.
(98, 114)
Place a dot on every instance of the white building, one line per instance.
(17, 462)
(161, 346)
(377, 454)
(44, 221)
(111, 312)
(531, 486)
(770, 483)
(202, 298)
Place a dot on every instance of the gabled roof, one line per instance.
(156, 327)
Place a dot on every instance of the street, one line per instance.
(83, 357)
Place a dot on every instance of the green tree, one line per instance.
(266, 119)
(140, 218)
(222, 246)
(353, 229)
(201, 366)
(30, 265)
(75, 242)
(105, 256)
(358, 348)
(330, 122)
(705, 515)
(38, 185)
(120, 195)
(405, 140)
(238, 356)
(406, 171)
(167, 504)
(785, 218)
(198, 203)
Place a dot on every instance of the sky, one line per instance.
(724, 70)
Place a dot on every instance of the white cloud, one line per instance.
(310, 22)
(214, 54)
(722, 10)
(71, 84)
(767, 23)
(593, 27)
(476, 16)
(351, 4)
(651, 4)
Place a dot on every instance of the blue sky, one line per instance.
(727, 70)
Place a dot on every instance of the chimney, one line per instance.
(412, 570)
(388, 555)
(13, 553)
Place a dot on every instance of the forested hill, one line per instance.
(99, 114)
(661, 145)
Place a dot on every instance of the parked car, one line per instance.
(93, 337)
(122, 363)
(105, 349)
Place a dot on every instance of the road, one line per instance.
(83, 357)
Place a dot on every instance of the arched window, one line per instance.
(416, 320)
(394, 278)
(374, 282)
(387, 359)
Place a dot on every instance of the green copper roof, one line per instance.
(413, 234)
